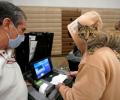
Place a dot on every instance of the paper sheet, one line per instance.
(58, 79)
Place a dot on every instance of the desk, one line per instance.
(35, 95)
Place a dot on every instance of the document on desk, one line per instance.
(58, 79)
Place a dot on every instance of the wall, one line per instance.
(49, 19)
(44, 19)
(70, 3)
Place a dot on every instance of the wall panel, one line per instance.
(45, 19)
(48, 19)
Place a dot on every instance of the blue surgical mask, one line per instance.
(13, 43)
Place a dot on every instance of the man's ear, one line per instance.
(6, 23)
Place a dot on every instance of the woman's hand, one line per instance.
(59, 85)
(72, 74)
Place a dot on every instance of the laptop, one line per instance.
(43, 69)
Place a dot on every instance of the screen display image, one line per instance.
(42, 68)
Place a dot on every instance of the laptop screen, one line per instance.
(42, 68)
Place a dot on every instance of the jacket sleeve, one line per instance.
(90, 84)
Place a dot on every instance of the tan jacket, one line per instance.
(97, 79)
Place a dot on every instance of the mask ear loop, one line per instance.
(13, 26)
(7, 33)
(8, 36)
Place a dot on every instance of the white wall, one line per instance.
(70, 3)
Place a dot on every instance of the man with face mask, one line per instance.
(12, 27)
(98, 75)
